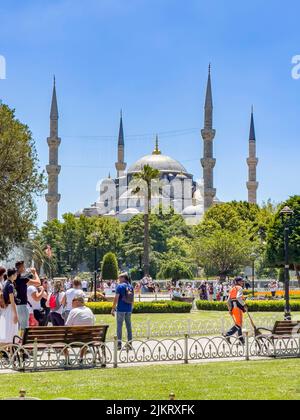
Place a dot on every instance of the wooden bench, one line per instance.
(58, 338)
(281, 329)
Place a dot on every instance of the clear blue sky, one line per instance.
(150, 58)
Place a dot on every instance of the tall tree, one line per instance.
(223, 253)
(275, 237)
(20, 181)
(144, 179)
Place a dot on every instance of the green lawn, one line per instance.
(201, 316)
(274, 379)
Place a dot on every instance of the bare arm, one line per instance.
(36, 280)
(14, 307)
(115, 303)
(37, 296)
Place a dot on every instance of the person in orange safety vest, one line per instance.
(237, 308)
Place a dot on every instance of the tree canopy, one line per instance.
(20, 181)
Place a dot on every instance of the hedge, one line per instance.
(253, 306)
(159, 307)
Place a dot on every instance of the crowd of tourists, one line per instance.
(26, 300)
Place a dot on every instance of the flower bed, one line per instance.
(159, 307)
(254, 306)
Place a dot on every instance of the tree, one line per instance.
(163, 226)
(275, 237)
(175, 270)
(145, 179)
(73, 241)
(110, 269)
(20, 181)
(223, 253)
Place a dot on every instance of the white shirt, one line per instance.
(84, 284)
(81, 316)
(35, 306)
(70, 295)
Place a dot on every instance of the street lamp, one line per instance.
(253, 257)
(96, 243)
(286, 213)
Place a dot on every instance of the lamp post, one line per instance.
(253, 258)
(96, 243)
(286, 213)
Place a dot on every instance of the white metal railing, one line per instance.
(184, 349)
(177, 328)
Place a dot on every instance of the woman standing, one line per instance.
(9, 316)
(56, 302)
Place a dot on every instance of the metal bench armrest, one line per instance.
(259, 329)
(17, 338)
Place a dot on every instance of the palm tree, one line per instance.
(144, 180)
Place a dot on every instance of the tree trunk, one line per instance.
(297, 269)
(146, 244)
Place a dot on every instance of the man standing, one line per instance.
(75, 291)
(22, 282)
(237, 308)
(123, 304)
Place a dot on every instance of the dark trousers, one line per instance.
(56, 319)
(238, 330)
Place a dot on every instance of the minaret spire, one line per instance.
(120, 164)
(53, 169)
(156, 151)
(252, 162)
(208, 134)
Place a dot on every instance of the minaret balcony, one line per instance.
(208, 163)
(208, 134)
(53, 169)
(53, 198)
(53, 141)
(252, 161)
(252, 185)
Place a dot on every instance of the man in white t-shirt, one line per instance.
(70, 295)
(34, 297)
(84, 285)
(80, 315)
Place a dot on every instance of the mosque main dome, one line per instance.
(163, 163)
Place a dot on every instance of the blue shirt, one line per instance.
(121, 290)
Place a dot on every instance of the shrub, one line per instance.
(110, 267)
(160, 307)
(253, 306)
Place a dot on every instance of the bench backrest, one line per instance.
(67, 335)
(286, 327)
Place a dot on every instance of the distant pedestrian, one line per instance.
(56, 303)
(122, 307)
(75, 291)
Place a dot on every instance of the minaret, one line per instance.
(252, 162)
(53, 169)
(208, 162)
(121, 165)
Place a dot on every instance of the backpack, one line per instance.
(54, 303)
(129, 295)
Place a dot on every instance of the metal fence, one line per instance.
(185, 349)
(178, 328)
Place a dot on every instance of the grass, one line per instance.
(274, 379)
(201, 316)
